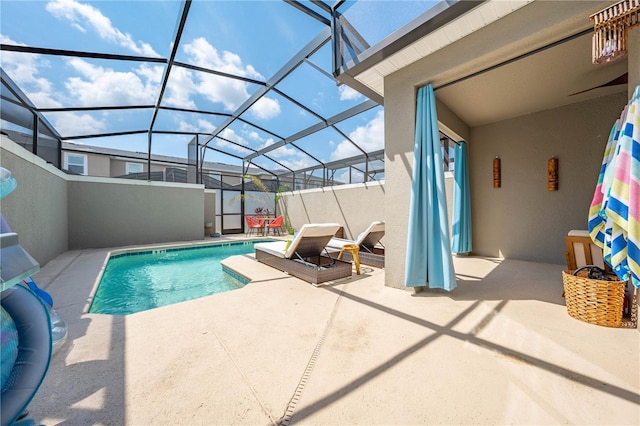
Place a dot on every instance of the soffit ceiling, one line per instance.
(549, 78)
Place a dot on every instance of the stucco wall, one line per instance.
(37, 209)
(97, 166)
(522, 219)
(53, 212)
(353, 206)
(399, 136)
(106, 212)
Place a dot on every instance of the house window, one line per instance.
(75, 163)
(133, 168)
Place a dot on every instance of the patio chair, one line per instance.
(371, 250)
(303, 256)
(275, 224)
(254, 224)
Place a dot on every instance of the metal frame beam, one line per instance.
(345, 162)
(165, 76)
(80, 54)
(364, 106)
(315, 15)
(320, 40)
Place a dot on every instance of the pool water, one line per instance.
(138, 281)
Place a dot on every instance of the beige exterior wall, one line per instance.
(108, 212)
(353, 206)
(98, 165)
(37, 209)
(399, 138)
(522, 219)
(53, 212)
(119, 166)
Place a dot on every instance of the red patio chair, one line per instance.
(254, 223)
(275, 224)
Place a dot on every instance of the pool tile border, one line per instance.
(241, 278)
(138, 252)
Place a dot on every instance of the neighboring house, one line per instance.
(106, 162)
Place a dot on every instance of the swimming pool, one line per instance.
(141, 280)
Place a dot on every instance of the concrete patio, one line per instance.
(500, 349)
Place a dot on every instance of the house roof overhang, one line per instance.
(543, 63)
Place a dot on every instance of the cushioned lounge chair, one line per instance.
(303, 257)
(371, 250)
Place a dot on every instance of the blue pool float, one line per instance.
(26, 321)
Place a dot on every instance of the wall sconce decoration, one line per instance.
(497, 174)
(552, 174)
(611, 27)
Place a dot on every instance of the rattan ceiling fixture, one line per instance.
(611, 28)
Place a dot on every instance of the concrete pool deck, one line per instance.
(500, 349)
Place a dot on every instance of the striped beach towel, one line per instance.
(614, 215)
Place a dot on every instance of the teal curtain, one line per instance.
(461, 230)
(429, 258)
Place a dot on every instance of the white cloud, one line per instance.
(207, 56)
(184, 126)
(82, 15)
(102, 86)
(72, 124)
(265, 108)
(179, 89)
(231, 93)
(24, 71)
(369, 137)
(285, 151)
(206, 126)
(299, 162)
(289, 156)
(268, 142)
(231, 135)
(348, 94)
(200, 126)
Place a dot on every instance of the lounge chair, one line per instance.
(371, 250)
(303, 256)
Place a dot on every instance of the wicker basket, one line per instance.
(597, 302)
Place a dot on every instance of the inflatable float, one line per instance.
(26, 353)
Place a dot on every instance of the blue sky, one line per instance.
(252, 39)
